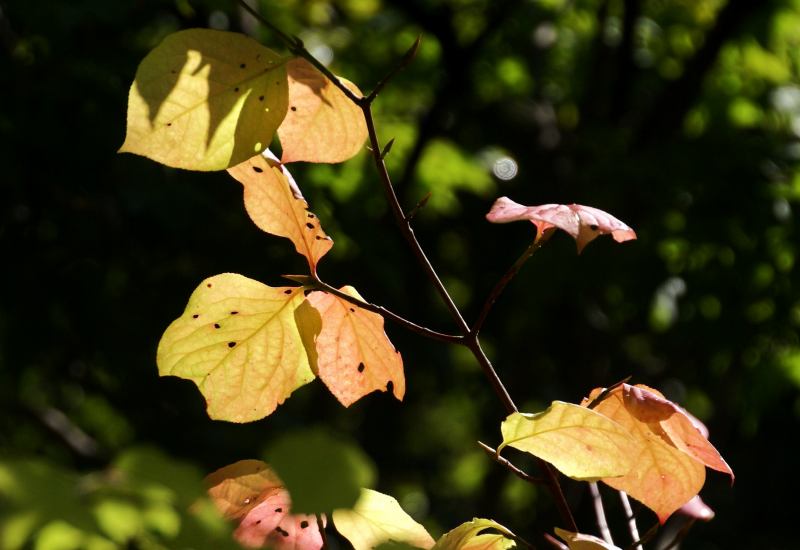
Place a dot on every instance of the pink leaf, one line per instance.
(583, 223)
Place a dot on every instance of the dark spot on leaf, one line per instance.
(257, 169)
(285, 533)
(236, 89)
(310, 225)
(593, 227)
(287, 291)
(195, 316)
(173, 71)
(294, 108)
(261, 98)
(231, 344)
(278, 510)
(389, 386)
(169, 124)
(242, 66)
(310, 215)
(258, 522)
(234, 312)
(352, 309)
(209, 285)
(361, 367)
(303, 524)
(317, 237)
(216, 325)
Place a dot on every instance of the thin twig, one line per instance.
(647, 536)
(322, 533)
(505, 279)
(606, 392)
(602, 523)
(505, 463)
(386, 314)
(681, 534)
(632, 527)
(554, 542)
(407, 58)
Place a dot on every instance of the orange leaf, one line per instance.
(354, 356)
(322, 124)
(669, 453)
(274, 202)
(249, 492)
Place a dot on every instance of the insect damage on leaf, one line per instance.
(583, 223)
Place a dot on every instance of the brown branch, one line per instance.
(505, 463)
(605, 393)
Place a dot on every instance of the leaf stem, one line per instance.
(602, 523)
(505, 463)
(632, 527)
(386, 314)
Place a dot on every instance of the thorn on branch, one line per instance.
(387, 148)
(419, 206)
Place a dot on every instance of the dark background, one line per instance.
(680, 117)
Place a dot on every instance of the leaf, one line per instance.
(376, 519)
(206, 100)
(579, 442)
(579, 541)
(664, 476)
(697, 509)
(238, 341)
(273, 201)
(322, 124)
(467, 536)
(321, 472)
(250, 493)
(351, 353)
(583, 223)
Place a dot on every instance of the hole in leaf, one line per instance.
(287, 291)
(257, 169)
(231, 344)
(310, 225)
(361, 367)
(303, 524)
(389, 386)
(278, 510)
(216, 325)
(195, 316)
(310, 215)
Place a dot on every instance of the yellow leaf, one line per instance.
(322, 124)
(206, 100)
(273, 201)
(352, 354)
(579, 541)
(663, 477)
(238, 341)
(579, 442)
(377, 518)
(467, 536)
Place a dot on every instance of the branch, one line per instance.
(554, 542)
(322, 533)
(505, 463)
(606, 392)
(602, 523)
(626, 505)
(646, 538)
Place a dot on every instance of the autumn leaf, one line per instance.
(322, 124)
(206, 100)
(669, 454)
(250, 493)
(238, 341)
(351, 353)
(583, 223)
(579, 442)
(377, 518)
(468, 536)
(273, 201)
(579, 541)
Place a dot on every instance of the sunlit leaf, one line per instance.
(664, 475)
(579, 541)
(583, 223)
(321, 472)
(238, 341)
(251, 494)
(273, 201)
(468, 535)
(377, 518)
(206, 100)
(322, 124)
(352, 354)
(579, 442)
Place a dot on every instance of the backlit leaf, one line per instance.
(579, 442)
(238, 341)
(377, 518)
(322, 124)
(579, 541)
(352, 354)
(273, 201)
(468, 535)
(250, 493)
(664, 477)
(206, 100)
(583, 223)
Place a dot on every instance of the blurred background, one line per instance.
(680, 117)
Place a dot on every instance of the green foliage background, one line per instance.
(681, 117)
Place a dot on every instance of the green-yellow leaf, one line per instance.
(238, 341)
(579, 541)
(273, 201)
(322, 124)
(468, 536)
(206, 100)
(376, 519)
(579, 442)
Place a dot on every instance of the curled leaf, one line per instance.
(579, 442)
(322, 124)
(583, 223)
(468, 536)
(206, 100)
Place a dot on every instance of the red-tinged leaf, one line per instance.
(697, 509)
(273, 201)
(249, 492)
(239, 342)
(350, 352)
(579, 541)
(322, 124)
(583, 223)
(663, 477)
